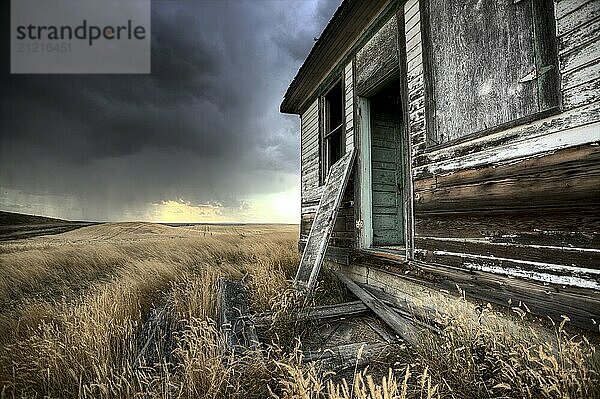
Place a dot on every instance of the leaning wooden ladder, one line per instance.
(318, 240)
(322, 227)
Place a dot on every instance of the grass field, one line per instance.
(74, 308)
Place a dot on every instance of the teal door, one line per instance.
(386, 164)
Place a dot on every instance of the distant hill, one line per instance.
(11, 218)
(17, 225)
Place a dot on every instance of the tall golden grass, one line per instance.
(74, 309)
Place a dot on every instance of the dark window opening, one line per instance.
(489, 65)
(333, 135)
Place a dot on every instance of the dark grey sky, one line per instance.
(200, 138)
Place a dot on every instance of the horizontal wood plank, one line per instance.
(578, 57)
(569, 176)
(581, 305)
(578, 16)
(559, 255)
(545, 273)
(577, 227)
(568, 129)
(586, 73)
(581, 95)
(583, 35)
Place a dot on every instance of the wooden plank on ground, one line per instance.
(320, 313)
(239, 332)
(424, 316)
(320, 232)
(350, 355)
(403, 327)
(381, 331)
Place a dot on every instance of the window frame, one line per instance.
(324, 128)
(545, 44)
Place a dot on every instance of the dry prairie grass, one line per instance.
(73, 311)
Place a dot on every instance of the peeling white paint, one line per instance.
(536, 146)
(572, 281)
(545, 278)
(545, 266)
(508, 244)
(485, 88)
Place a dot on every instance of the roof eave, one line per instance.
(287, 105)
(348, 23)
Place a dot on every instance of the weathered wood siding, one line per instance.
(343, 235)
(349, 106)
(414, 76)
(578, 27)
(309, 121)
(378, 58)
(405, 281)
(524, 201)
(467, 100)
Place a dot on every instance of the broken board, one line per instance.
(403, 327)
(322, 227)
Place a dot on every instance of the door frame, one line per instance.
(365, 240)
(363, 194)
(365, 180)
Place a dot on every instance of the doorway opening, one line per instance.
(387, 182)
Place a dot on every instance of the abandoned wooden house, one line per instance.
(456, 143)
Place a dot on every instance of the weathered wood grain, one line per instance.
(320, 313)
(356, 354)
(587, 32)
(578, 157)
(576, 14)
(581, 95)
(156, 340)
(574, 227)
(537, 254)
(424, 315)
(514, 144)
(306, 220)
(564, 7)
(411, 12)
(349, 105)
(548, 273)
(546, 53)
(403, 327)
(476, 68)
(310, 152)
(569, 187)
(378, 58)
(587, 73)
(567, 177)
(414, 77)
(576, 58)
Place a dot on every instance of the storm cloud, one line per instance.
(202, 130)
